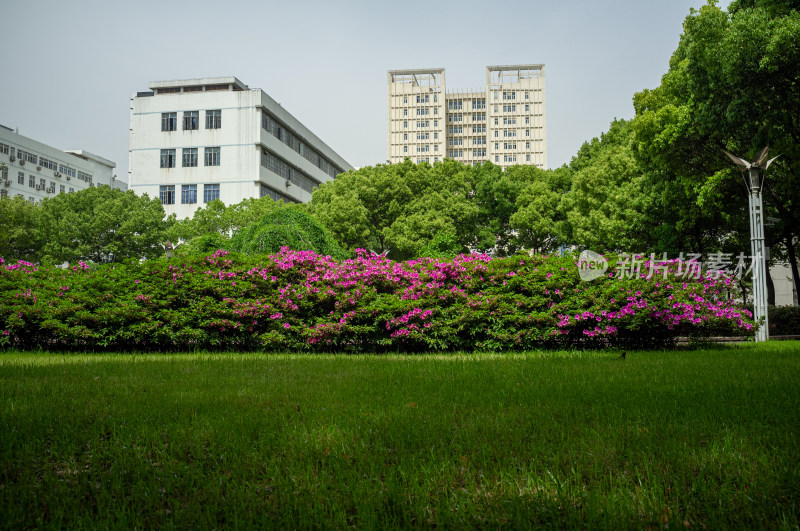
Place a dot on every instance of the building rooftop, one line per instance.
(85, 155)
(198, 82)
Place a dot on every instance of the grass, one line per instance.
(685, 439)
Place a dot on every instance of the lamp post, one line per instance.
(754, 182)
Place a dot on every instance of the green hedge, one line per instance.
(302, 301)
(784, 320)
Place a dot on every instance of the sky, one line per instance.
(71, 66)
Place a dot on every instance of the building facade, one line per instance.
(34, 170)
(197, 140)
(503, 123)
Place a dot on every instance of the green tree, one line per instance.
(101, 224)
(733, 84)
(19, 234)
(290, 227)
(539, 220)
(398, 207)
(605, 208)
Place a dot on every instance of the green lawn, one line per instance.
(707, 438)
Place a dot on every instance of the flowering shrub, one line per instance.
(299, 300)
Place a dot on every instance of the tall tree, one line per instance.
(607, 204)
(101, 224)
(19, 234)
(732, 83)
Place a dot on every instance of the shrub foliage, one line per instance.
(286, 227)
(300, 300)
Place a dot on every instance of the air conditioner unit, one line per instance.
(287, 183)
(57, 174)
(12, 158)
(22, 162)
(39, 187)
(38, 168)
(51, 190)
(68, 177)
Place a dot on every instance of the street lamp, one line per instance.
(754, 182)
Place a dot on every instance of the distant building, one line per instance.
(34, 170)
(503, 123)
(196, 140)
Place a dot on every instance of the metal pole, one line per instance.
(760, 310)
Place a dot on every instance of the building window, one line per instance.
(405, 112)
(527, 132)
(210, 192)
(169, 121)
(435, 136)
(188, 194)
(526, 97)
(496, 134)
(436, 123)
(61, 189)
(527, 158)
(527, 145)
(3, 148)
(497, 158)
(212, 156)
(167, 195)
(213, 119)
(71, 189)
(49, 164)
(191, 120)
(168, 158)
(31, 181)
(405, 149)
(405, 123)
(20, 177)
(527, 106)
(405, 136)
(24, 156)
(189, 158)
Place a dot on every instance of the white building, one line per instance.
(196, 140)
(503, 123)
(34, 170)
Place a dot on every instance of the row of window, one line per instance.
(188, 193)
(211, 157)
(191, 120)
(422, 136)
(423, 98)
(512, 95)
(457, 105)
(43, 162)
(275, 195)
(282, 133)
(43, 185)
(277, 165)
(422, 124)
